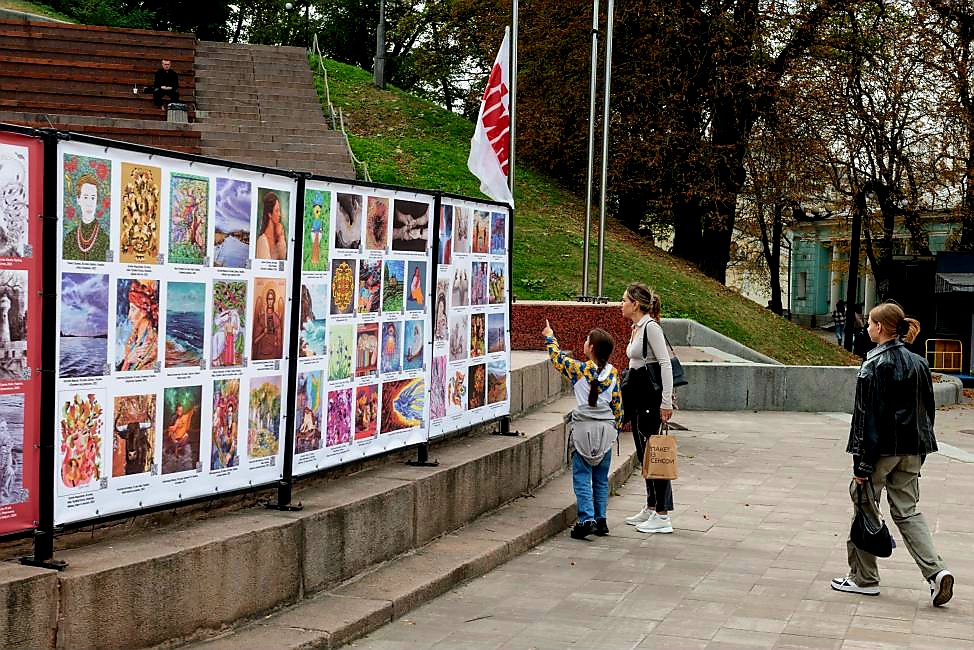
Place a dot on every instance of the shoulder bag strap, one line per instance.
(645, 340)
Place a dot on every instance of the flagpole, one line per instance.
(591, 149)
(513, 100)
(605, 141)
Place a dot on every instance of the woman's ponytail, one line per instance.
(602, 344)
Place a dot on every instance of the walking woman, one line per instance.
(642, 306)
(891, 435)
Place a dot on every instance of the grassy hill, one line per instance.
(408, 141)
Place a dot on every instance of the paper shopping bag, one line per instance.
(659, 461)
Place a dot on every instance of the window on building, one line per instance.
(801, 291)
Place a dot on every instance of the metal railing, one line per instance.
(356, 162)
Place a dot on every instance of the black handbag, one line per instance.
(874, 539)
(642, 388)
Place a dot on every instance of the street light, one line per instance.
(307, 19)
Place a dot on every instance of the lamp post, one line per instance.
(307, 19)
(379, 69)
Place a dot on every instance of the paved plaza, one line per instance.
(762, 513)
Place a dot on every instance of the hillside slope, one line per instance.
(408, 141)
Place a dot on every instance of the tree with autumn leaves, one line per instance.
(728, 116)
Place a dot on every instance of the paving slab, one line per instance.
(762, 513)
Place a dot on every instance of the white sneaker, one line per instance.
(845, 583)
(641, 516)
(656, 524)
(941, 588)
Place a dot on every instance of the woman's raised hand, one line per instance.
(547, 331)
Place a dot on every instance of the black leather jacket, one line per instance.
(894, 408)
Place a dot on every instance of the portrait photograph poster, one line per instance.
(367, 301)
(471, 365)
(21, 177)
(173, 315)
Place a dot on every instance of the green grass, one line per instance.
(33, 8)
(408, 141)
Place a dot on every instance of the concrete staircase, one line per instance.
(374, 539)
(257, 104)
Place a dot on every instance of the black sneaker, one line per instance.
(601, 527)
(941, 588)
(581, 530)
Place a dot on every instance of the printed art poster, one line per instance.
(231, 226)
(226, 424)
(189, 204)
(134, 434)
(272, 224)
(471, 350)
(140, 206)
(317, 210)
(21, 264)
(87, 208)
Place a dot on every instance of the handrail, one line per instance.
(315, 50)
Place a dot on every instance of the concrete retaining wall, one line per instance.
(686, 332)
(737, 387)
(194, 579)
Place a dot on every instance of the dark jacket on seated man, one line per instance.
(166, 83)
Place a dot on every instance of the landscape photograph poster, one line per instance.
(173, 310)
(470, 379)
(366, 307)
(21, 265)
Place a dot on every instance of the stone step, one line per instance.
(219, 569)
(338, 616)
(226, 139)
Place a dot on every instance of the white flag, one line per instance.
(490, 147)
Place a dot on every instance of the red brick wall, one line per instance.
(572, 321)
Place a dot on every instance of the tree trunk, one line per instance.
(967, 207)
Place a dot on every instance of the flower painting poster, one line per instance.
(82, 439)
(87, 208)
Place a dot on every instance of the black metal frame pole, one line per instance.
(423, 449)
(286, 484)
(504, 423)
(44, 533)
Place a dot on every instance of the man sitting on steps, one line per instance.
(166, 83)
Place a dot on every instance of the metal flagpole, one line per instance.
(605, 142)
(513, 96)
(591, 149)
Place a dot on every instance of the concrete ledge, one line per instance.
(194, 579)
(376, 598)
(31, 606)
(948, 390)
(148, 590)
(686, 332)
(736, 387)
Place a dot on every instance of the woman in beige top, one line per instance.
(642, 306)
